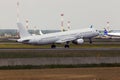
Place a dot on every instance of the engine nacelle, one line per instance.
(78, 41)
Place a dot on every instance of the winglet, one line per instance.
(40, 32)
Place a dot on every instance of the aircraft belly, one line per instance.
(47, 41)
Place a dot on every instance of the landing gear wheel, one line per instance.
(53, 46)
(66, 46)
(90, 40)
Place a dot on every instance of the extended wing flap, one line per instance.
(66, 39)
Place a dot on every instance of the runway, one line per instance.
(59, 56)
(62, 49)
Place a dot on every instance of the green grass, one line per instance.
(16, 45)
(58, 66)
(58, 53)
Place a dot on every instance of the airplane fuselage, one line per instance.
(59, 37)
(114, 34)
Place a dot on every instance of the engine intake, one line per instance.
(78, 41)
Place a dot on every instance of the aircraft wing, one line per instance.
(66, 39)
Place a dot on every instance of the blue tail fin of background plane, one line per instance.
(105, 32)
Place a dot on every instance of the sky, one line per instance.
(45, 14)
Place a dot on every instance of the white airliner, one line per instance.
(74, 36)
(117, 34)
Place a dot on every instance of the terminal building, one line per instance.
(13, 33)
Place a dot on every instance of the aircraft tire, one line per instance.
(53, 46)
(66, 46)
(90, 41)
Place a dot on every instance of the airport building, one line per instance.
(13, 33)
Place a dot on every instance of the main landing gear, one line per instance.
(53, 46)
(67, 45)
(90, 40)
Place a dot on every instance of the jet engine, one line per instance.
(78, 41)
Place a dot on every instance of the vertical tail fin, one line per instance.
(105, 32)
(22, 31)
